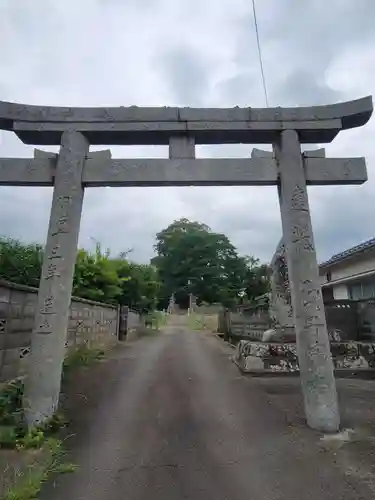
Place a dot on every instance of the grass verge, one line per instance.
(14, 433)
(29, 456)
(82, 355)
(25, 482)
(156, 319)
(202, 322)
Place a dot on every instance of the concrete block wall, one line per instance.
(351, 320)
(90, 323)
(135, 325)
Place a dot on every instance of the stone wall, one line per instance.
(90, 323)
(249, 325)
(347, 320)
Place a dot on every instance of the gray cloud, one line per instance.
(187, 75)
(302, 88)
(238, 90)
(341, 217)
(190, 52)
(306, 34)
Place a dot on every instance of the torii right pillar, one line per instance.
(316, 367)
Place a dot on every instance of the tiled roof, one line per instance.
(351, 251)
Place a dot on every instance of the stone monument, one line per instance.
(280, 307)
(192, 303)
(172, 304)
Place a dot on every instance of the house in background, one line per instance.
(349, 274)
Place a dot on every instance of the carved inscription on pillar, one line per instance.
(52, 271)
(45, 325)
(62, 223)
(53, 263)
(311, 300)
(48, 305)
(57, 261)
(302, 237)
(298, 200)
(55, 252)
(46, 312)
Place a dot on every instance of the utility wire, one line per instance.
(260, 54)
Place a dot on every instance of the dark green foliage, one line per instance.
(97, 276)
(193, 259)
(139, 285)
(11, 412)
(19, 262)
(13, 428)
(257, 281)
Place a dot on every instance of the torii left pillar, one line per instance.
(55, 289)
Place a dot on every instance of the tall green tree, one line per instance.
(191, 258)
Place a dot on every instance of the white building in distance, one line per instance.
(350, 274)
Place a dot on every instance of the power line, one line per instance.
(260, 54)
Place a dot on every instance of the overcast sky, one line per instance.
(190, 53)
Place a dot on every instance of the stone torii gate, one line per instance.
(75, 168)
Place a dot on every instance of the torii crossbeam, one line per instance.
(132, 125)
(100, 170)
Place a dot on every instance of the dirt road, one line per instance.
(171, 418)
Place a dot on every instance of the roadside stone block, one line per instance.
(259, 357)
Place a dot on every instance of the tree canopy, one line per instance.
(97, 275)
(191, 258)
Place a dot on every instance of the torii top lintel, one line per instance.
(44, 125)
